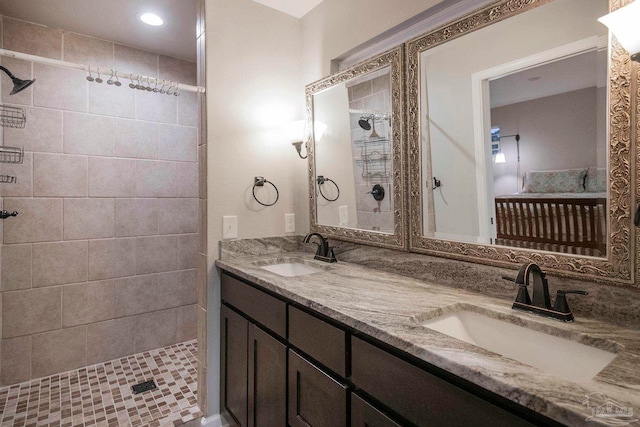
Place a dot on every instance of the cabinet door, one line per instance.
(315, 399)
(234, 364)
(365, 415)
(267, 380)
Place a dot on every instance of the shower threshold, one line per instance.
(102, 395)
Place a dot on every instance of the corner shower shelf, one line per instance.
(11, 154)
(7, 179)
(12, 117)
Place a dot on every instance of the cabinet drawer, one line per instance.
(265, 309)
(315, 399)
(365, 415)
(420, 397)
(320, 340)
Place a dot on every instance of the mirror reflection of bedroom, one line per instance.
(549, 156)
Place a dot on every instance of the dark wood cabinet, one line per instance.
(315, 399)
(267, 380)
(234, 364)
(365, 415)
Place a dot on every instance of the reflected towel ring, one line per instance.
(321, 180)
(260, 181)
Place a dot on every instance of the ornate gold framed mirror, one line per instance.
(356, 161)
(537, 83)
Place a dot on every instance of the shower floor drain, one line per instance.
(145, 386)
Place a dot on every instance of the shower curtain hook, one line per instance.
(171, 87)
(131, 85)
(149, 88)
(176, 93)
(90, 77)
(117, 82)
(139, 86)
(99, 79)
(155, 88)
(110, 81)
(164, 84)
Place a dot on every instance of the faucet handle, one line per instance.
(523, 293)
(561, 304)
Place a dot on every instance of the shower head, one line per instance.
(18, 84)
(364, 124)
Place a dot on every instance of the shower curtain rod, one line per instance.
(87, 68)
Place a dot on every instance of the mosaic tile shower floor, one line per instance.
(101, 395)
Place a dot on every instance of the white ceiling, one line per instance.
(116, 20)
(566, 75)
(297, 8)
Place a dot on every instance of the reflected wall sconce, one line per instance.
(623, 23)
(297, 133)
(500, 157)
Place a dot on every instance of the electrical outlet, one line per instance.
(343, 214)
(289, 223)
(230, 227)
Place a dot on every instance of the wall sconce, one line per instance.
(623, 23)
(500, 158)
(297, 133)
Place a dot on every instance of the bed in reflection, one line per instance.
(559, 211)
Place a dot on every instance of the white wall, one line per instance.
(557, 132)
(253, 86)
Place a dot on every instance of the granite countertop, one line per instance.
(390, 307)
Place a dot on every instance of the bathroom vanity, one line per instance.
(346, 345)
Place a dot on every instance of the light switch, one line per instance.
(229, 227)
(343, 212)
(289, 223)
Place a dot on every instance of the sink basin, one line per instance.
(559, 356)
(289, 267)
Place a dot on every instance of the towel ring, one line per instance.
(260, 181)
(321, 180)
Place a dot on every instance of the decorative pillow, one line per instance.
(555, 181)
(596, 180)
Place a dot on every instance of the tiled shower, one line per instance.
(100, 263)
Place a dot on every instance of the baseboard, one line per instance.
(217, 420)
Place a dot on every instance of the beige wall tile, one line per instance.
(137, 295)
(202, 225)
(177, 143)
(136, 139)
(15, 366)
(88, 50)
(187, 179)
(21, 36)
(202, 114)
(201, 281)
(202, 171)
(88, 134)
(89, 218)
(23, 172)
(42, 131)
(39, 220)
(59, 351)
(202, 334)
(179, 287)
(112, 100)
(109, 340)
(21, 69)
(155, 254)
(31, 311)
(155, 330)
(177, 70)
(187, 323)
(154, 107)
(60, 88)
(135, 61)
(155, 179)
(87, 303)
(188, 251)
(188, 104)
(59, 263)
(59, 175)
(136, 217)
(16, 267)
(111, 177)
(178, 216)
(111, 258)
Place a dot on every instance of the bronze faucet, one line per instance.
(325, 252)
(541, 302)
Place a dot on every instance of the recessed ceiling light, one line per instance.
(151, 19)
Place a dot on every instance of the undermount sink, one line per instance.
(289, 267)
(559, 356)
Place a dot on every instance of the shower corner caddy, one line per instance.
(374, 157)
(11, 117)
